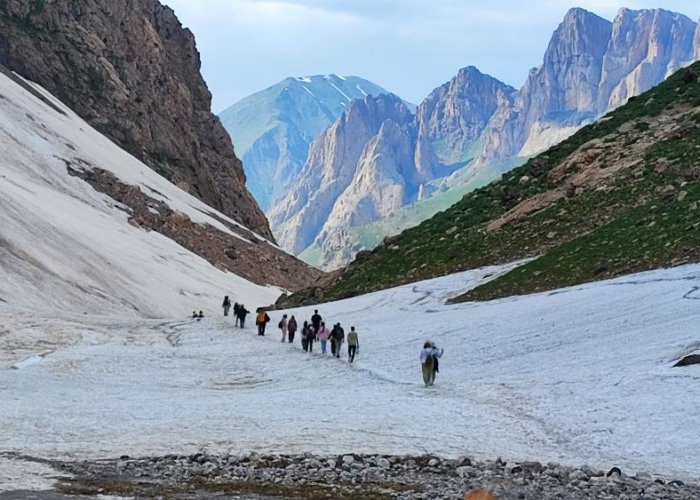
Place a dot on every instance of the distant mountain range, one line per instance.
(379, 169)
(272, 129)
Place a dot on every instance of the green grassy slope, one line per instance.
(619, 196)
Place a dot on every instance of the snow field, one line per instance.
(578, 376)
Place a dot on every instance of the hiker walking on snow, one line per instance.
(282, 325)
(353, 344)
(242, 313)
(316, 322)
(337, 339)
(323, 335)
(306, 337)
(429, 362)
(262, 320)
(236, 313)
(226, 305)
(292, 328)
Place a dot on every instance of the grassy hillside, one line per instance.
(620, 196)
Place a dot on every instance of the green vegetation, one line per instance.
(619, 196)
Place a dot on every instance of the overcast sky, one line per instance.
(407, 46)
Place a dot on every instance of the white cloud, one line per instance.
(408, 46)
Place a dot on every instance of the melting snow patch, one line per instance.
(304, 79)
(22, 475)
(32, 360)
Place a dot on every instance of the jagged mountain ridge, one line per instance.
(379, 177)
(585, 72)
(272, 129)
(620, 196)
(133, 72)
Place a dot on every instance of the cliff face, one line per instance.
(646, 46)
(454, 115)
(696, 55)
(335, 161)
(273, 128)
(131, 70)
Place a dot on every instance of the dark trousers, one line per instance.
(242, 320)
(352, 349)
(291, 333)
(304, 344)
(311, 344)
(333, 347)
(261, 329)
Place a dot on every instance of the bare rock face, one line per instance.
(131, 70)
(453, 116)
(333, 164)
(563, 91)
(646, 46)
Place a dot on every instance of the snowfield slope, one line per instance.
(619, 196)
(64, 246)
(578, 376)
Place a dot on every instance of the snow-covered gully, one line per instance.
(577, 376)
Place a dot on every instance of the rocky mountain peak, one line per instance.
(645, 47)
(455, 114)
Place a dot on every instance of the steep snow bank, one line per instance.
(65, 246)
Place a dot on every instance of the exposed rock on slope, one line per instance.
(697, 42)
(273, 129)
(452, 118)
(131, 70)
(335, 158)
(646, 46)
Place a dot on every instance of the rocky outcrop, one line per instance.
(696, 51)
(335, 161)
(273, 136)
(131, 70)
(645, 47)
(453, 116)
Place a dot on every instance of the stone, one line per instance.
(692, 359)
(614, 471)
(348, 459)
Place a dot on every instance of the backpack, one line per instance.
(279, 325)
(261, 317)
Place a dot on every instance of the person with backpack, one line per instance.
(332, 339)
(429, 356)
(226, 305)
(316, 321)
(311, 338)
(323, 335)
(353, 344)
(282, 325)
(305, 331)
(236, 316)
(262, 319)
(292, 328)
(337, 339)
(242, 313)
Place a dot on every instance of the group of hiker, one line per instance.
(239, 311)
(316, 330)
(312, 331)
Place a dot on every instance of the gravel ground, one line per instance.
(253, 476)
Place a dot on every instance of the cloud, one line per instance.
(407, 46)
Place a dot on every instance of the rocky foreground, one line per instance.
(354, 477)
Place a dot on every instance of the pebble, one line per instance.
(409, 478)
